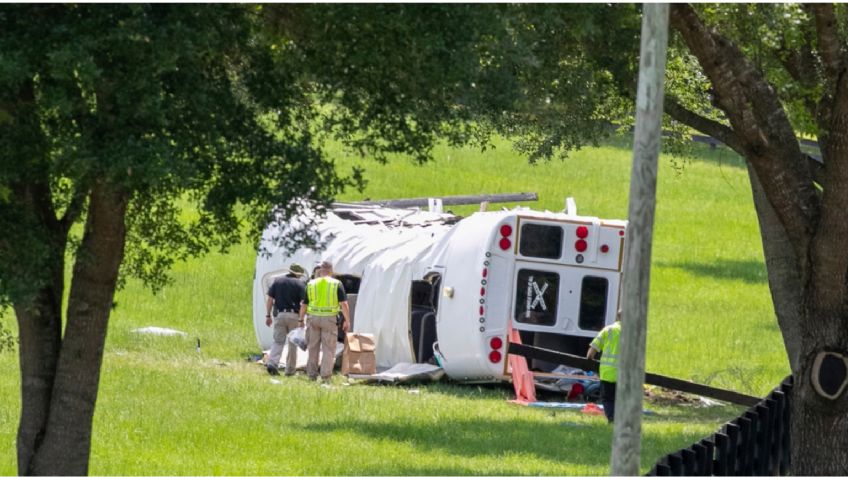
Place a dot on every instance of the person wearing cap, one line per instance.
(325, 296)
(606, 342)
(284, 297)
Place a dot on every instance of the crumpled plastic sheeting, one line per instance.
(387, 259)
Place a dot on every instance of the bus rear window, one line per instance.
(536, 297)
(542, 241)
(593, 303)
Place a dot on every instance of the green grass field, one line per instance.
(165, 408)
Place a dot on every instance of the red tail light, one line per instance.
(582, 232)
(496, 343)
(505, 244)
(495, 356)
(580, 245)
(506, 230)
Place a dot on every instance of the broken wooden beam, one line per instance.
(451, 200)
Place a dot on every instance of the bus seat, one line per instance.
(427, 336)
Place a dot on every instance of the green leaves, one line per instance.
(165, 100)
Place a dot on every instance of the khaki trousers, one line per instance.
(322, 336)
(284, 323)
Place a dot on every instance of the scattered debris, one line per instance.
(157, 331)
(593, 409)
(403, 372)
(663, 396)
(707, 402)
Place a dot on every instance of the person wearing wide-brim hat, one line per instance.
(283, 304)
(299, 272)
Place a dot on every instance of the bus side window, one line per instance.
(593, 303)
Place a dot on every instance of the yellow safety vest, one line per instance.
(323, 294)
(607, 343)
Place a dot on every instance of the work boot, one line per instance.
(272, 370)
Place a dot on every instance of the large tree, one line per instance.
(755, 77)
(109, 116)
(119, 117)
(776, 71)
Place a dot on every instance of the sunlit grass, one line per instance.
(166, 408)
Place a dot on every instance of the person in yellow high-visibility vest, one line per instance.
(325, 296)
(606, 342)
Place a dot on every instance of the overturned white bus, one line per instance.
(431, 285)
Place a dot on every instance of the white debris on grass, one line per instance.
(157, 331)
(707, 402)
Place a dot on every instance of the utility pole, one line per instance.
(627, 430)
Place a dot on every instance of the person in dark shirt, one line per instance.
(283, 304)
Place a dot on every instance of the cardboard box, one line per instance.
(358, 356)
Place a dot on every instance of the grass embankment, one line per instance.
(165, 408)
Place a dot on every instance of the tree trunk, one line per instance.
(40, 328)
(819, 424)
(783, 272)
(67, 441)
(39, 315)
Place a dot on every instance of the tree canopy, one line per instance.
(118, 118)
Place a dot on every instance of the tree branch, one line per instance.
(729, 96)
(705, 125)
(827, 33)
(801, 65)
(75, 207)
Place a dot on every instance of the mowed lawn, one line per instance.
(167, 407)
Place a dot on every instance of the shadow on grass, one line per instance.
(555, 439)
(748, 271)
(720, 155)
(585, 444)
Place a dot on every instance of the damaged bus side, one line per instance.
(437, 288)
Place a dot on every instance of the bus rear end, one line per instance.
(566, 281)
(553, 277)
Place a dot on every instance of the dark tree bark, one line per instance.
(782, 270)
(39, 321)
(61, 374)
(40, 330)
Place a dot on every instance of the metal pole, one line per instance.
(637, 263)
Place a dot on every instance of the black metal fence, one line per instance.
(755, 443)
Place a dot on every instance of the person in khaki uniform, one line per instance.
(325, 296)
(284, 298)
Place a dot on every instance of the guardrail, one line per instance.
(755, 443)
